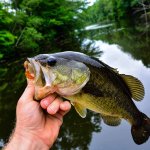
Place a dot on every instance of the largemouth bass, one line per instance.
(90, 84)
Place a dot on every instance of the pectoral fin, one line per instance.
(111, 121)
(80, 109)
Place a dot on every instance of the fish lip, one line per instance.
(29, 72)
(33, 67)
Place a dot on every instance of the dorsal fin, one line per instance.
(135, 86)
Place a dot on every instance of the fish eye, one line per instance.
(51, 61)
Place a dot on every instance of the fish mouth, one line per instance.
(41, 76)
(32, 69)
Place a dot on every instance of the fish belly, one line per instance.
(108, 106)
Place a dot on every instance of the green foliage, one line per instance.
(19, 20)
(113, 10)
(51, 21)
(5, 16)
(35, 21)
(39, 26)
(1, 56)
(30, 37)
(6, 38)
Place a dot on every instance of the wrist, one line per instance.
(25, 141)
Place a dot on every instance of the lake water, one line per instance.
(120, 51)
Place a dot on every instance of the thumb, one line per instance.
(28, 93)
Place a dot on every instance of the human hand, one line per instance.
(34, 124)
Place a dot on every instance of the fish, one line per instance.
(89, 83)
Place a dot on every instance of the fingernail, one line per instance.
(65, 105)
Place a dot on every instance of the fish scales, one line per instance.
(89, 83)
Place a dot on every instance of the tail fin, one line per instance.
(141, 133)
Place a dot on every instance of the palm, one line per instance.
(38, 121)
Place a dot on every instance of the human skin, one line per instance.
(37, 123)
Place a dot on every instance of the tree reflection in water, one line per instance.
(131, 38)
(12, 84)
(76, 132)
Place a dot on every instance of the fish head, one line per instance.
(52, 74)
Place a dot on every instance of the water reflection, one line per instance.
(132, 39)
(77, 132)
(1, 143)
(12, 84)
(98, 26)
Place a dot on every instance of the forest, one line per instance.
(38, 26)
(33, 26)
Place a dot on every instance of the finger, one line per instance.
(28, 92)
(65, 107)
(47, 100)
(54, 106)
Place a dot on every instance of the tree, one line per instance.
(7, 39)
(115, 10)
(40, 26)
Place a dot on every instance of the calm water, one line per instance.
(89, 133)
